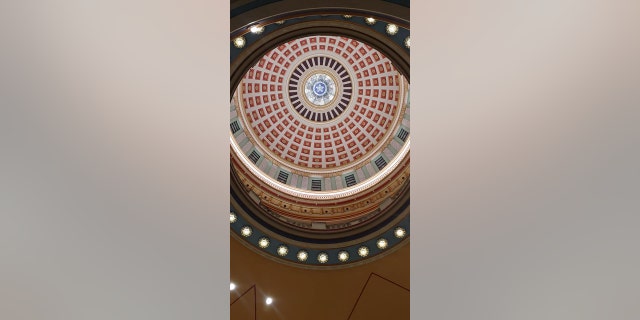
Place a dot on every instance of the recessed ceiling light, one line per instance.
(232, 217)
(392, 29)
(382, 243)
(363, 251)
(232, 286)
(257, 29)
(283, 250)
(343, 256)
(370, 21)
(263, 242)
(400, 232)
(246, 231)
(346, 16)
(239, 42)
(323, 257)
(302, 255)
(280, 22)
(407, 42)
(269, 300)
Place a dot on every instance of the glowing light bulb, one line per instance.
(392, 29)
(239, 42)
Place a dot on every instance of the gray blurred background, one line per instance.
(114, 160)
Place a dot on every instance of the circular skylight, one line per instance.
(320, 89)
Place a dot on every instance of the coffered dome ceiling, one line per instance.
(320, 151)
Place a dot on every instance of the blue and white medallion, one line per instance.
(320, 89)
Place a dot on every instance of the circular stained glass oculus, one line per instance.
(320, 89)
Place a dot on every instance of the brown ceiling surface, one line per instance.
(382, 299)
(244, 306)
(377, 290)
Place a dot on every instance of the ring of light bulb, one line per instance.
(392, 29)
(246, 231)
(283, 250)
(257, 29)
(239, 42)
(323, 257)
(343, 256)
(302, 255)
(400, 232)
(263, 242)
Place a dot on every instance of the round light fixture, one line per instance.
(407, 42)
(323, 257)
(232, 286)
(400, 232)
(246, 231)
(280, 22)
(370, 21)
(363, 251)
(263, 242)
(302, 255)
(382, 243)
(346, 16)
(257, 29)
(233, 218)
(343, 256)
(239, 42)
(269, 300)
(283, 250)
(392, 29)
